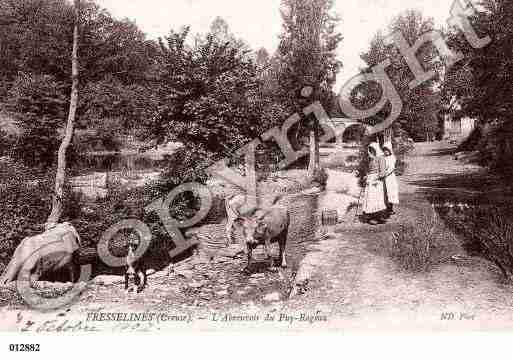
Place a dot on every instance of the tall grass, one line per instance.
(417, 247)
(487, 231)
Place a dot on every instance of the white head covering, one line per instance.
(388, 146)
(377, 150)
(50, 225)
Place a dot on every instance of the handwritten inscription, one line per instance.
(58, 326)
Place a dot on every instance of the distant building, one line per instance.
(461, 127)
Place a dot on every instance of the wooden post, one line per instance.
(311, 163)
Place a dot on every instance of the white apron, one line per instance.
(374, 193)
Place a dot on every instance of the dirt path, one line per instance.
(361, 288)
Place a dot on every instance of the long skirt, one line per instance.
(373, 197)
(392, 189)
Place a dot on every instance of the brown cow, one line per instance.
(266, 226)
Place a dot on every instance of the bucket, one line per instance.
(329, 217)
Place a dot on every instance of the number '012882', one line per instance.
(24, 347)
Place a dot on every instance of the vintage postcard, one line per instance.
(290, 165)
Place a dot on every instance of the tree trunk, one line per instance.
(317, 150)
(60, 177)
(314, 162)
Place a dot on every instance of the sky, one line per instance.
(258, 22)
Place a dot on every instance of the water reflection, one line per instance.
(116, 162)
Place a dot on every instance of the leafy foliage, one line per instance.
(114, 48)
(307, 52)
(419, 116)
(206, 93)
(116, 69)
(40, 104)
(26, 204)
(495, 146)
(481, 87)
(6, 142)
(482, 84)
(109, 110)
(308, 66)
(105, 136)
(36, 37)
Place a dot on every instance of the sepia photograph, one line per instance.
(301, 166)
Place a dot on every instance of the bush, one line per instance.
(494, 146)
(121, 204)
(402, 147)
(12, 171)
(363, 161)
(6, 143)
(95, 218)
(496, 149)
(26, 205)
(471, 143)
(130, 106)
(418, 247)
(487, 231)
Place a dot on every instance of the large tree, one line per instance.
(36, 37)
(210, 96)
(117, 71)
(307, 54)
(421, 104)
(481, 86)
(114, 48)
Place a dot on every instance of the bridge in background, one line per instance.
(341, 125)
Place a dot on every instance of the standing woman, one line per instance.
(390, 179)
(373, 204)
